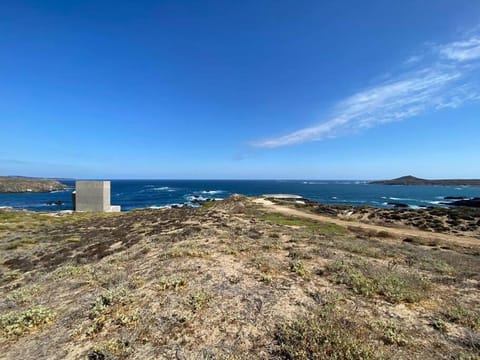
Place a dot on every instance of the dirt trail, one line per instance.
(398, 232)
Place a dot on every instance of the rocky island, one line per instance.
(412, 180)
(18, 184)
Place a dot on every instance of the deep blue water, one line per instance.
(133, 194)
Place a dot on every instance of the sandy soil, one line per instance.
(400, 232)
(236, 279)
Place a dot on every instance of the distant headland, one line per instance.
(20, 184)
(412, 180)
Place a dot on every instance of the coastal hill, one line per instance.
(18, 184)
(241, 278)
(412, 180)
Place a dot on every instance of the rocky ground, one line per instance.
(231, 280)
(460, 221)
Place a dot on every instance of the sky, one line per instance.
(240, 89)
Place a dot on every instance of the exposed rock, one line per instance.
(398, 205)
(58, 203)
(475, 202)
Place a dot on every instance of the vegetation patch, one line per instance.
(325, 334)
(461, 315)
(113, 349)
(299, 268)
(18, 323)
(173, 283)
(24, 294)
(184, 252)
(15, 244)
(108, 307)
(198, 300)
(315, 226)
(390, 283)
(392, 334)
(69, 271)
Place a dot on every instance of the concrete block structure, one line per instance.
(93, 196)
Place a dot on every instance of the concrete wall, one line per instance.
(92, 196)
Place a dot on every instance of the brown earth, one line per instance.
(233, 280)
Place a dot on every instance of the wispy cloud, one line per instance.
(440, 80)
(462, 50)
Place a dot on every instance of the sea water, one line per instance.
(137, 194)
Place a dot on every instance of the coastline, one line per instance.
(132, 284)
(138, 194)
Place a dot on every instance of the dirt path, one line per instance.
(398, 232)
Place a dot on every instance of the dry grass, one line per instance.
(229, 281)
(393, 284)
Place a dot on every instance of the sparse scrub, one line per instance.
(440, 325)
(24, 294)
(325, 334)
(158, 284)
(392, 334)
(113, 349)
(173, 283)
(263, 264)
(315, 226)
(265, 278)
(108, 307)
(461, 315)
(73, 239)
(299, 268)
(19, 323)
(120, 296)
(392, 284)
(184, 252)
(15, 244)
(198, 300)
(70, 271)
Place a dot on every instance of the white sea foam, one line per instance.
(169, 206)
(211, 192)
(195, 197)
(434, 202)
(162, 188)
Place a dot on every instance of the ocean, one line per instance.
(138, 194)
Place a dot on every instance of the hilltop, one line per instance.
(241, 278)
(18, 184)
(412, 180)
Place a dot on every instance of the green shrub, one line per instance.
(461, 315)
(19, 323)
(198, 300)
(174, 283)
(299, 268)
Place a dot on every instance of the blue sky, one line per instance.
(240, 89)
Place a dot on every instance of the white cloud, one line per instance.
(462, 50)
(443, 82)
